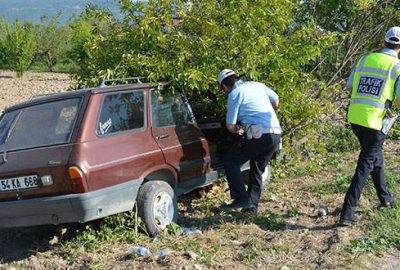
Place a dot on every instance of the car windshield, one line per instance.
(38, 125)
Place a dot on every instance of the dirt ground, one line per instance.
(14, 90)
(305, 241)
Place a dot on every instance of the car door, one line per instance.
(174, 129)
(121, 148)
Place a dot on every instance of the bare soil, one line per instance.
(306, 240)
(14, 90)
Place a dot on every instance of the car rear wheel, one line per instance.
(157, 206)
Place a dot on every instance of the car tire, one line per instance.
(266, 176)
(157, 206)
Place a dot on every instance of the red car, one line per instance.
(83, 155)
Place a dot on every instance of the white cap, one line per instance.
(393, 35)
(225, 74)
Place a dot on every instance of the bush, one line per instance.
(18, 44)
(342, 139)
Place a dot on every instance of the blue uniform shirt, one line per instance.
(250, 103)
(397, 84)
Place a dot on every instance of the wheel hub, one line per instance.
(163, 210)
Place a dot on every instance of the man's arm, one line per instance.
(273, 98)
(397, 94)
(232, 114)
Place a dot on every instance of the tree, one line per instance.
(51, 40)
(86, 31)
(360, 26)
(252, 37)
(18, 44)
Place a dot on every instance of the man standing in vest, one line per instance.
(250, 113)
(374, 85)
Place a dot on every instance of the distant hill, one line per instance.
(33, 10)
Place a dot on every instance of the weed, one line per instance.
(361, 245)
(297, 168)
(172, 229)
(269, 221)
(383, 232)
(249, 256)
(342, 140)
(293, 212)
(333, 160)
(338, 185)
(273, 250)
(117, 228)
(253, 248)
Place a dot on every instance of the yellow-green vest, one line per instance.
(373, 84)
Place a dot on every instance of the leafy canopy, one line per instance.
(188, 43)
(18, 44)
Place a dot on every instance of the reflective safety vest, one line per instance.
(373, 84)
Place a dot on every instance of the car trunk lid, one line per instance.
(35, 145)
(35, 172)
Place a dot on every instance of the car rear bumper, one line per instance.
(69, 208)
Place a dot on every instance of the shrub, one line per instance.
(342, 139)
(17, 41)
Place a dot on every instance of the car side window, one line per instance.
(121, 112)
(169, 110)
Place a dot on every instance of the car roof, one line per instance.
(79, 93)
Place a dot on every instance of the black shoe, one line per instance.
(236, 204)
(253, 209)
(347, 222)
(389, 204)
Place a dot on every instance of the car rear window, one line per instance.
(38, 125)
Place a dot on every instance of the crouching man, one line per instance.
(252, 105)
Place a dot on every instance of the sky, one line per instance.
(33, 10)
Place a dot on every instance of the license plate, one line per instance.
(18, 183)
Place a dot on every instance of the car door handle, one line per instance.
(162, 136)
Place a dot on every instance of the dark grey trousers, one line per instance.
(259, 152)
(370, 162)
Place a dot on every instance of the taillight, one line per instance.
(78, 180)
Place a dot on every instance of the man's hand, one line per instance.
(275, 105)
(235, 129)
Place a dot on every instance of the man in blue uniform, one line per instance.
(251, 114)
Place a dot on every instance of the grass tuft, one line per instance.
(383, 233)
(338, 185)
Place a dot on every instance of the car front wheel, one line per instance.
(157, 206)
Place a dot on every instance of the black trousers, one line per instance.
(370, 162)
(259, 152)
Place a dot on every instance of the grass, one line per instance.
(383, 232)
(382, 229)
(338, 185)
(286, 231)
(61, 66)
(126, 227)
(268, 221)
